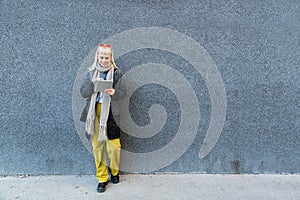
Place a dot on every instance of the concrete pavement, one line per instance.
(163, 186)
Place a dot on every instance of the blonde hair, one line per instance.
(106, 51)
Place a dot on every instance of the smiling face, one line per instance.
(104, 56)
(104, 59)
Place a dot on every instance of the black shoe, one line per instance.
(114, 179)
(101, 187)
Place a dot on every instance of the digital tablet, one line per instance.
(101, 85)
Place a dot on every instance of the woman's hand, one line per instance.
(110, 91)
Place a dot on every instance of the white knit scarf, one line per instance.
(90, 120)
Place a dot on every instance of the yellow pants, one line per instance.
(101, 148)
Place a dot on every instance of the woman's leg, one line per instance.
(113, 151)
(99, 150)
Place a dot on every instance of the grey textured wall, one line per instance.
(255, 46)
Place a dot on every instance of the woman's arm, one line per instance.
(119, 87)
(87, 86)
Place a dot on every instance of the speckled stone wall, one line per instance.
(254, 46)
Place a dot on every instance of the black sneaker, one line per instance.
(101, 187)
(114, 179)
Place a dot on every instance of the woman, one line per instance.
(100, 123)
